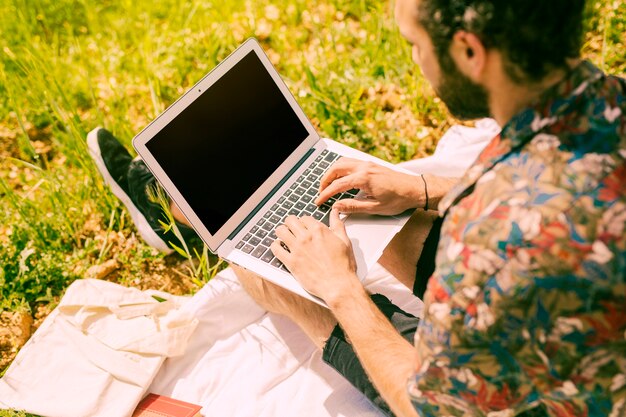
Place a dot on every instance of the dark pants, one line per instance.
(339, 354)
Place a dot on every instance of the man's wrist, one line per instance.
(346, 294)
(432, 189)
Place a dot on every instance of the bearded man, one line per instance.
(525, 311)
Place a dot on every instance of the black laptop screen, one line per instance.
(221, 148)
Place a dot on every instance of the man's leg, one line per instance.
(130, 180)
(316, 321)
(178, 215)
(400, 257)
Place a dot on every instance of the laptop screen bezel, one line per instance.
(213, 241)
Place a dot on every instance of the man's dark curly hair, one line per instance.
(534, 36)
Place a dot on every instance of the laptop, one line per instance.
(237, 154)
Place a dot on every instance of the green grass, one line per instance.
(6, 413)
(67, 66)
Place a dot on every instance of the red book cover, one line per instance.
(161, 406)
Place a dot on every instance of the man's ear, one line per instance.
(470, 54)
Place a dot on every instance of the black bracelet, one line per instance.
(425, 192)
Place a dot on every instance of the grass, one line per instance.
(67, 66)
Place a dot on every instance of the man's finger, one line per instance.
(343, 184)
(280, 252)
(311, 223)
(336, 224)
(355, 205)
(333, 174)
(295, 225)
(338, 227)
(284, 233)
(344, 166)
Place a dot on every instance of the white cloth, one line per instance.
(105, 345)
(456, 150)
(97, 352)
(243, 361)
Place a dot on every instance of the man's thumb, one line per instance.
(337, 226)
(335, 222)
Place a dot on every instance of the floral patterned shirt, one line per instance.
(526, 309)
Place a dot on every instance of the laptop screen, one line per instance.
(222, 147)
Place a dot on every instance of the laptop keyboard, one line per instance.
(298, 201)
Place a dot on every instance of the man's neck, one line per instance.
(508, 98)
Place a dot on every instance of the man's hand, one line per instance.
(320, 257)
(387, 191)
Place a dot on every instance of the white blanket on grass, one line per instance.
(239, 360)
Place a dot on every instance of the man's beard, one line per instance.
(464, 98)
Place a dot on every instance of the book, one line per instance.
(154, 405)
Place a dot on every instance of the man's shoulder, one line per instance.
(581, 144)
(593, 120)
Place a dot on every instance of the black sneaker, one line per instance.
(130, 180)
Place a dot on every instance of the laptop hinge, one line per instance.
(270, 194)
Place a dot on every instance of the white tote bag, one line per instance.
(97, 352)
